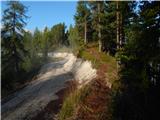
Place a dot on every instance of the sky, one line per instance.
(48, 13)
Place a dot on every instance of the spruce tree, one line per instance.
(82, 17)
(13, 51)
(140, 71)
(13, 22)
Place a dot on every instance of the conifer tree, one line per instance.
(13, 52)
(140, 71)
(12, 33)
(82, 17)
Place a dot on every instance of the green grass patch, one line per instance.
(85, 55)
(100, 58)
(72, 101)
(63, 49)
(76, 97)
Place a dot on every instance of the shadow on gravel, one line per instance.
(39, 90)
(52, 108)
(49, 66)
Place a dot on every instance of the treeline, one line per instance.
(40, 42)
(46, 40)
(105, 22)
(139, 58)
(96, 22)
(23, 52)
(130, 31)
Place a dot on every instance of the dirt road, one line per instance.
(27, 102)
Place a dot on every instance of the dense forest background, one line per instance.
(129, 31)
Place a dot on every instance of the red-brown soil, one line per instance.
(96, 105)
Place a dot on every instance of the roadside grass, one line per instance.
(100, 58)
(71, 102)
(91, 101)
(76, 98)
(50, 59)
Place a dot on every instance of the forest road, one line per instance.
(27, 102)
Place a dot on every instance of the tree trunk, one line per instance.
(99, 29)
(121, 41)
(118, 29)
(85, 32)
(14, 44)
(118, 24)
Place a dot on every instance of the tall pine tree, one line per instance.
(82, 17)
(13, 51)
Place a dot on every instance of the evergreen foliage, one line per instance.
(130, 30)
(13, 22)
(140, 67)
